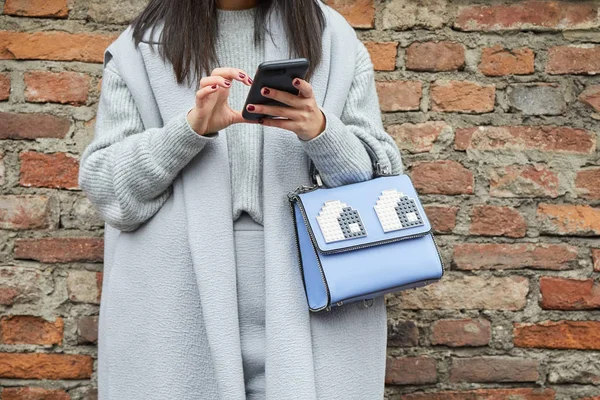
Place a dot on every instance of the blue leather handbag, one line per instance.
(362, 240)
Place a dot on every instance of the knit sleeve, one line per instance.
(339, 152)
(127, 171)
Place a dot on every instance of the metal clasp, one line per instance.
(318, 179)
(366, 303)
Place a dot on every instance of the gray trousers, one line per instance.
(249, 253)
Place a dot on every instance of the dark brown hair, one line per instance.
(190, 31)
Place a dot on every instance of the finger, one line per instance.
(305, 88)
(204, 99)
(215, 80)
(275, 111)
(238, 118)
(233, 73)
(279, 123)
(282, 96)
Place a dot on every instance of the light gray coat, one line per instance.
(168, 318)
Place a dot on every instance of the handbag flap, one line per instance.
(372, 212)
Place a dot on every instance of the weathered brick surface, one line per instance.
(37, 8)
(569, 294)
(465, 97)
(58, 170)
(32, 126)
(530, 15)
(45, 366)
(497, 221)
(60, 250)
(26, 329)
(494, 106)
(4, 87)
(435, 56)
(56, 87)
(518, 138)
(474, 256)
(417, 138)
(34, 393)
(444, 177)
(410, 371)
(573, 60)
(498, 61)
(494, 369)
(582, 335)
(463, 332)
(399, 95)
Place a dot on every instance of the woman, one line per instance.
(202, 296)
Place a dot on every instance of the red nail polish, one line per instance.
(242, 75)
(251, 107)
(227, 82)
(260, 120)
(296, 82)
(266, 91)
(250, 80)
(214, 86)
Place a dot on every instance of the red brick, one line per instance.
(596, 259)
(579, 335)
(399, 95)
(383, 55)
(489, 220)
(56, 87)
(37, 8)
(32, 126)
(486, 394)
(57, 170)
(34, 393)
(4, 87)
(60, 249)
(58, 46)
(402, 334)
(442, 218)
(567, 219)
(442, 177)
(19, 285)
(539, 138)
(591, 97)
(410, 370)
(494, 369)
(499, 61)
(45, 366)
(359, 13)
(587, 183)
(524, 181)
(528, 15)
(569, 294)
(573, 60)
(474, 256)
(87, 330)
(27, 329)
(84, 286)
(435, 56)
(417, 138)
(468, 292)
(26, 212)
(465, 97)
(461, 332)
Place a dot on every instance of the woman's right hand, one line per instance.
(212, 112)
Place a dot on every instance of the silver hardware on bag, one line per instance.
(366, 303)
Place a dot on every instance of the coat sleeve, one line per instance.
(127, 171)
(339, 152)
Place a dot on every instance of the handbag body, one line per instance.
(362, 240)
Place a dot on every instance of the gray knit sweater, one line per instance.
(335, 152)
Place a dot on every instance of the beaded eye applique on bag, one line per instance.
(395, 211)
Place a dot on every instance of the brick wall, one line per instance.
(495, 106)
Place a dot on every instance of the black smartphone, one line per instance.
(277, 74)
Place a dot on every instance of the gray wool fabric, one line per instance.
(169, 324)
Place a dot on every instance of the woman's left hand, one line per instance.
(304, 117)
